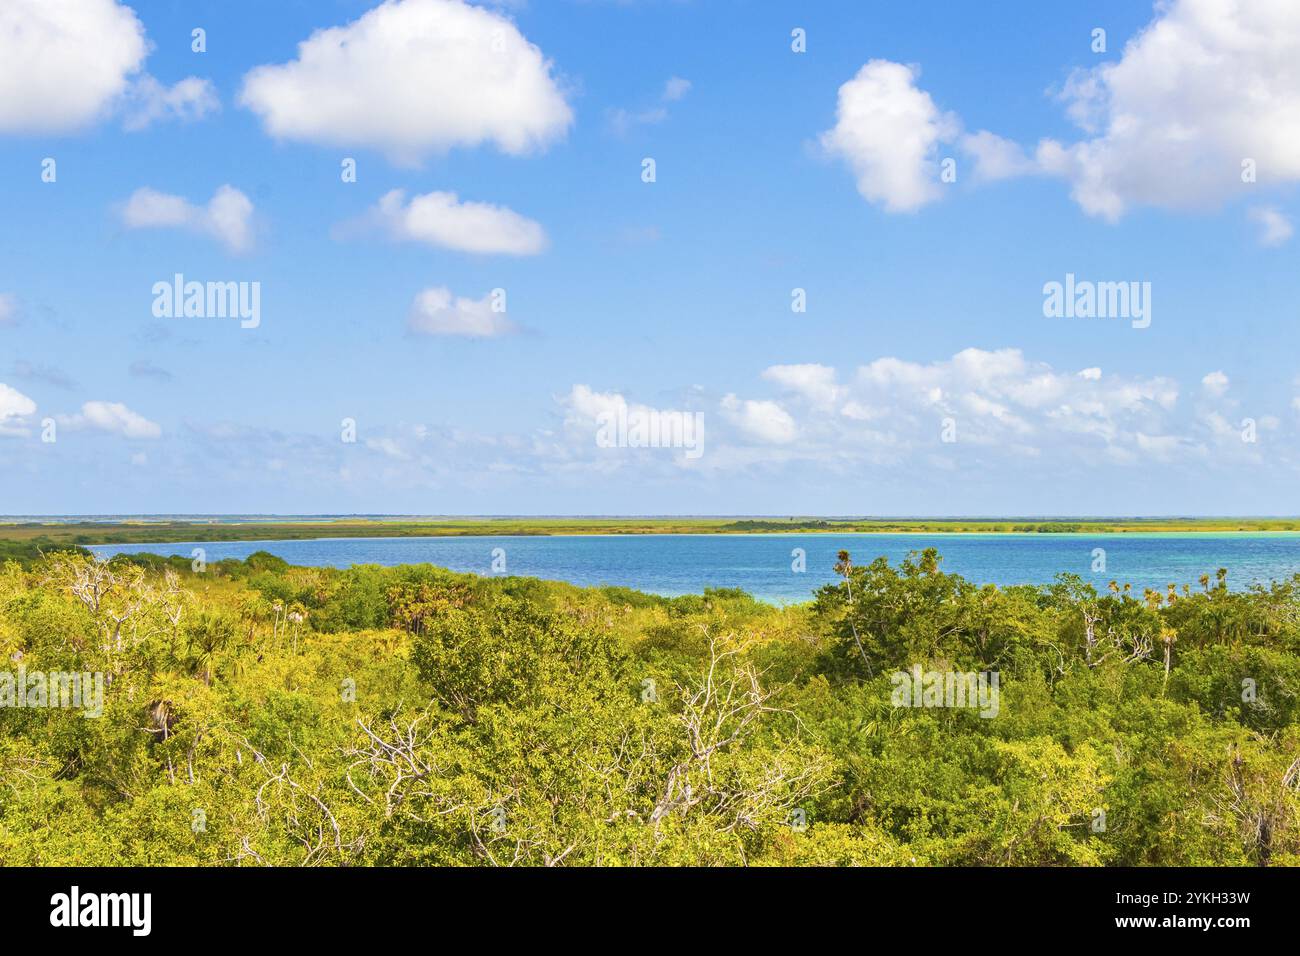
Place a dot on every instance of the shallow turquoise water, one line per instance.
(762, 563)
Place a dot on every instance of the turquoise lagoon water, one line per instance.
(673, 564)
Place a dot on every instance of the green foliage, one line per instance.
(28, 551)
(257, 713)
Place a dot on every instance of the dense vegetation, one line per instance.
(30, 550)
(257, 713)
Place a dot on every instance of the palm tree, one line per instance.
(207, 639)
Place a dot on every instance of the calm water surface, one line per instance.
(672, 564)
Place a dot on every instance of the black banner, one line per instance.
(335, 906)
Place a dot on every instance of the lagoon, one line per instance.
(763, 564)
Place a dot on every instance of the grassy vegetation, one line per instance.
(146, 532)
(27, 551)
(263, 714)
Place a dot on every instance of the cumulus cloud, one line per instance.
(1215, 383)
(437, 312)
(994, 157)
(414, 77)
(228, 216)
(14, 409)
(112, 417)
(148, 101)
(1206, 86)
(890, 408)
(1274, 228)
(591, 405)
(762, 420)
(869, 428)
(602, 420)
(1202, 95)
(67, 64)
(64, 63)
(441, 219)
(889, 130)
(814, 382)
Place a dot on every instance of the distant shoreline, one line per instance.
(143, 531)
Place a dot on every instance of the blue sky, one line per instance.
(775, 170)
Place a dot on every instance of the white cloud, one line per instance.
(228, 216)
(14, 409)
(763, 420)
(589, 405)
(437, 312)
(112, 417)
(67, 64)
(996, 158)
(64, 63)
(8, 309)
(189, 100)
(814, 382)
(1207, 88)
(858, 411)
(892, 407)
(1216, 383)
(1020, 423)
(1274, 228)
(414, 77)
(889, 131)
(599, 420)
(441, 219)
(1206, 85)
